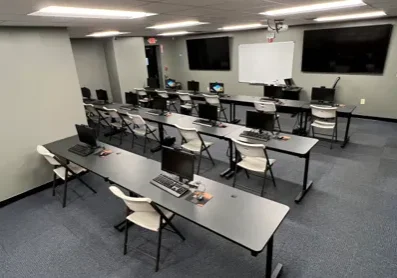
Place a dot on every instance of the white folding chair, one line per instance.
(214, 100)
(269, 108)
(143, 97)
(193, 142)
(253, 158)
(170, 102)
(63, 170)
(324, 117)
(187, 102)
(119, 123)
(141, 128)
(94, 116)
(144, 213)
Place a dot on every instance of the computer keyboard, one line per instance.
(81, 150)
(255, 135)
(203, 122)
(128, 107)
(154, 112)
(170, 185)
(269, 99)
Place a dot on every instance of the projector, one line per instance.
(278, 26)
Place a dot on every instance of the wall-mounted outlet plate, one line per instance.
(362, 101)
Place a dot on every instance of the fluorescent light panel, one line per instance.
(106, 34)
(179, 33)
(350, 16)
(59, 11)
(316, 7)
(241, 27)
(177, 25)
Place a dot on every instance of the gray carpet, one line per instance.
(345, 227)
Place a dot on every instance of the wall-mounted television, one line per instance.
(355, 50)
(209, 53)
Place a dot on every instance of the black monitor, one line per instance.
(208, 112)
(273, 91)
(218, 88)
(323, 94)
(131, 98)
(160, 103)
(193, 86)
(290, 82)
(86, 92)
(178, 163)
(102, 95)
(170, 83)
(87, 135)
(261, 121)
(153, 82)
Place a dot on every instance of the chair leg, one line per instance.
(176, 230)
(199, 163)
(158, 249)
(235, 175)
(264, 184)
(246, 173)
(224, 115)
(332, 139)
(125, 237)
(271, 173)
(278, 123)
(65, 190)
(133, 140)
(54, 181)
(313, 132)
(144, 144)
(209, 155)
(176, 109)
(121, 138)
(86, 184)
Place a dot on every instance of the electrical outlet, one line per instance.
(362, 101)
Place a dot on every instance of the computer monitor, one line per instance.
(170, 83)
(323, 95)
(178, 163)
(261, 121)
(102, 95)
(131, 98)
(152, 82)
(218, 88)
(160, 103)
(208, 112)
(290, 82)
(87, 135)
(272, 91)
(86, 92)
(193, 86)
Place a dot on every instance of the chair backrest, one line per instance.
(213, 100)
(323, 112)
(265, 106)
(112, 112)
(86, 92)
(48, 155)
(138, 120)
(250, 150)
(141, 92)
(90, 108)
(134, 204)
(185, 97)
(162, 94)
(189, 134)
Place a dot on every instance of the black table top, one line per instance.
(297, 145)
(241, 217)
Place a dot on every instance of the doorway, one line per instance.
(152, 63)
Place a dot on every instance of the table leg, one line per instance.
(231, 113)
(228, 173)
(161, 133)
(233, 108)
(306, 184)
(347, 137)
(269, 261)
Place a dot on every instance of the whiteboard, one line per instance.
(265, 62)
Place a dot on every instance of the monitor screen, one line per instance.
(208, 112)
(209, 54)
(170, 83)
(87, 135)
(289, 82)
(273, 91)
(323, 94)
(178, 163)
(259, 120)
(347, 50)
(160, 103)
(102, 95)
(218, 88)
(131, 98)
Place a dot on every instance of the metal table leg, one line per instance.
(269, 260)
(234, 120)
(161, 133)
(228, 173)
(347, 137)
(306, 184)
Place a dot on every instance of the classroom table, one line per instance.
(242, 218)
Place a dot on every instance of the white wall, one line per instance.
(40, 86)
(89, 55)
(113, 72)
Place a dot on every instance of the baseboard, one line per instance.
(375, 118)
(26, 194)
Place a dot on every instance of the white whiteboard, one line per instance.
(265, 62)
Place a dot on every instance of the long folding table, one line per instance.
(242, 218)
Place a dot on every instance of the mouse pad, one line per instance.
(193, 197)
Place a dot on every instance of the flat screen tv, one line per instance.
(209, 54)
(357, 50)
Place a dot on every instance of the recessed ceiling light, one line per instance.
(350, 16)
(179, 33)
(106, 34)
(241, 27)
(177, 25)
(59, 11)
(316, 7)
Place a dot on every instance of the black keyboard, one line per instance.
(269, 99)
(81, 150)
(128, 107)
(170, 185)
(255, 135)
(203, 122)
